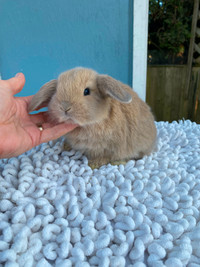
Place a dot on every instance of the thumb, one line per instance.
(16, 83)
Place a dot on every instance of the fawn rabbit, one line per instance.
(114, 124)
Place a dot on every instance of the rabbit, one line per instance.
(114, 124)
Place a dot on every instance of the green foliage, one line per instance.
(169, 30)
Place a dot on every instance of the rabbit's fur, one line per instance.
(114, 123)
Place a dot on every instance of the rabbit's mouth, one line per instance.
(56, 117)
(70, 121)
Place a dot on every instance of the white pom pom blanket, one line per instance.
(56, 211)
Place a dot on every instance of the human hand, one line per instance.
(19, 131)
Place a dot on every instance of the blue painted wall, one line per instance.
(42, 38)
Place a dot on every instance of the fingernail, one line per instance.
(18, 74)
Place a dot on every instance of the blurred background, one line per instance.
(44, 38)
(173, 73)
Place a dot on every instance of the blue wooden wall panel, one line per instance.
(42, 38)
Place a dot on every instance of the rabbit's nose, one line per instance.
(66, 106)
(67, 110)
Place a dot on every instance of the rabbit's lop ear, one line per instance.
(115, 89)
(43, 96)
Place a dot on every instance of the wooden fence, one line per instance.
(168, 95)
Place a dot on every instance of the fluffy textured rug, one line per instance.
(56, 211)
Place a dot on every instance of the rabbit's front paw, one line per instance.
(66, 147)
(97, 163)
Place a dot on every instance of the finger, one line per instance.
(39, 118)
(16, 83)
(56, 132)
(27, 99)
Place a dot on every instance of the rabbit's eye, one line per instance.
(87, 91)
